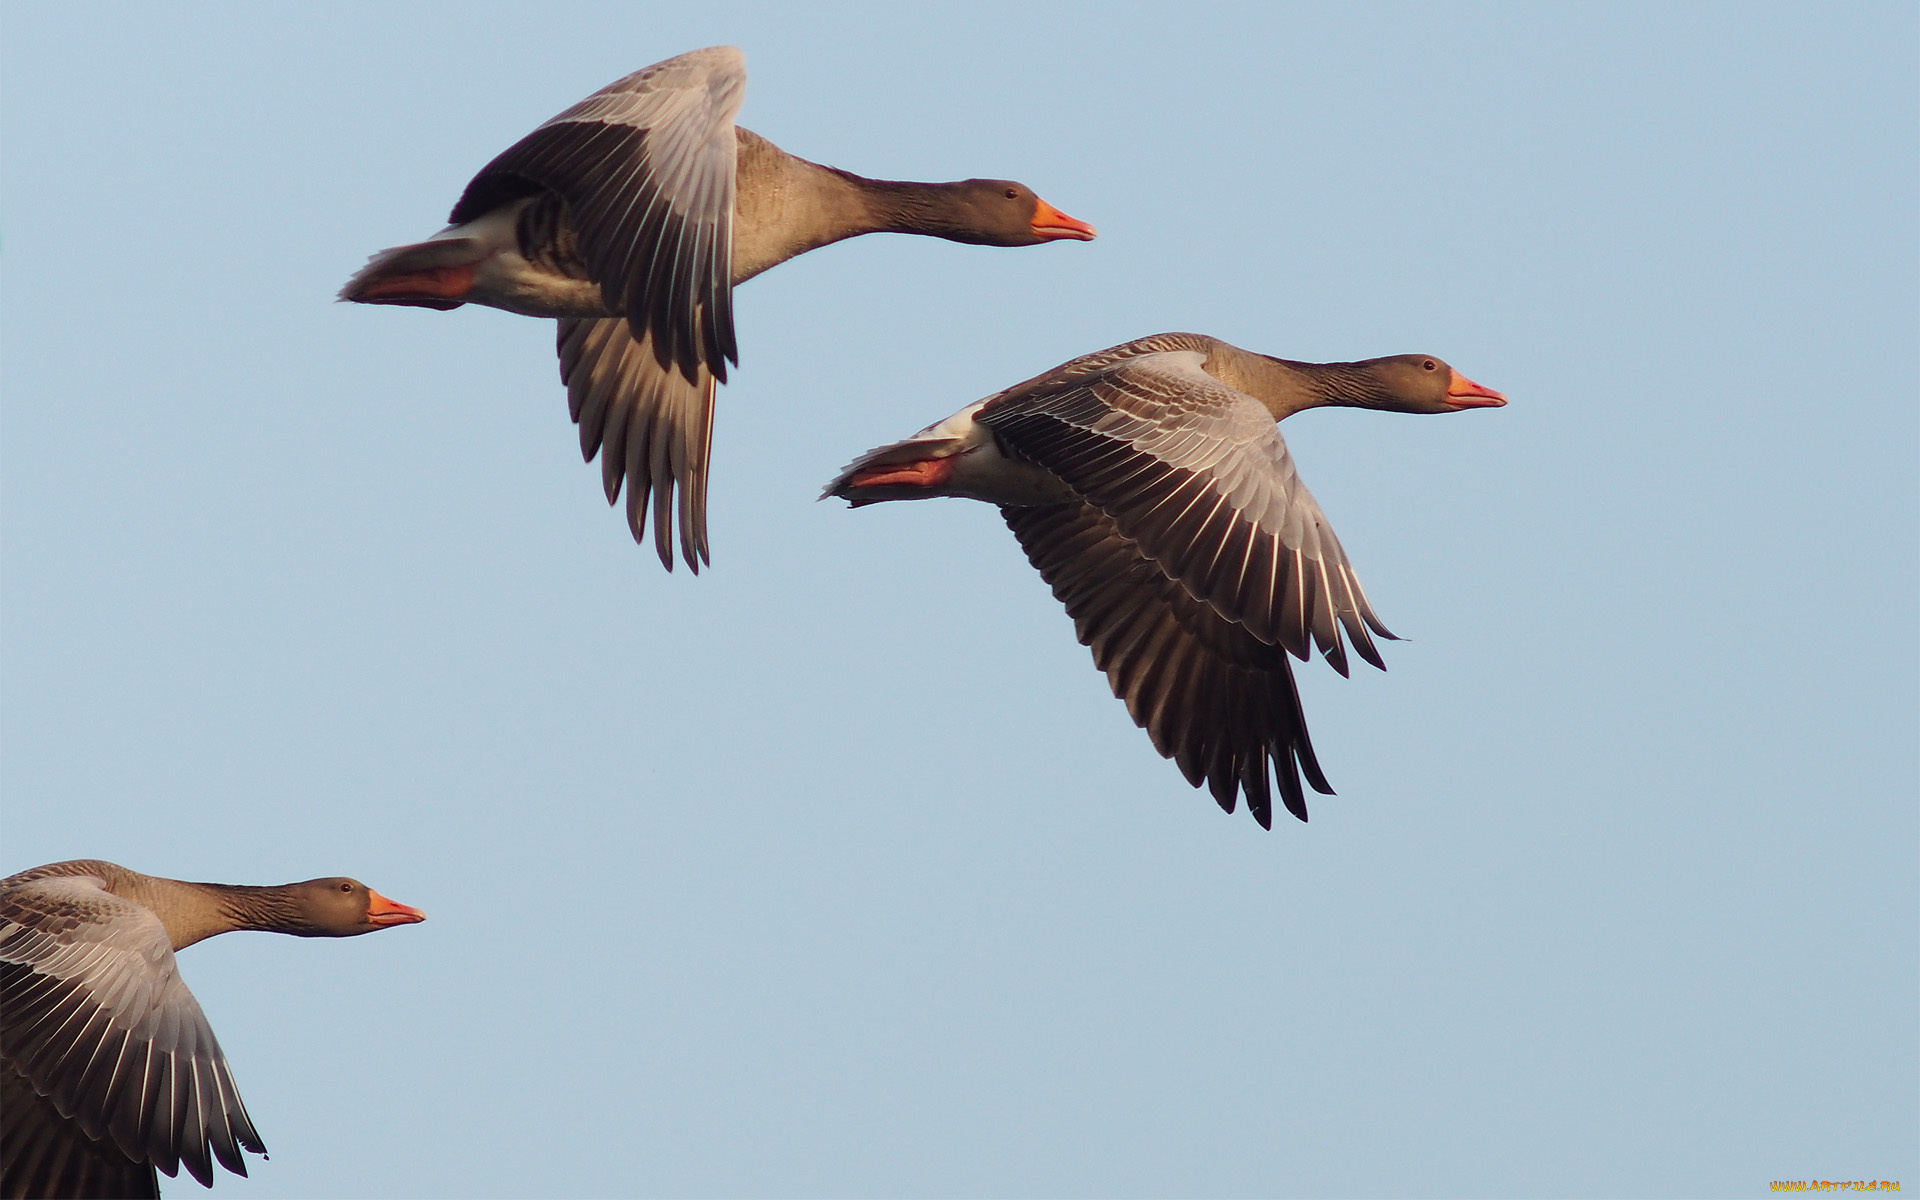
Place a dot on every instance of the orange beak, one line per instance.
(383, 912)
(1050, 224)
(1465, 393)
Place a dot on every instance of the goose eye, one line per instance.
(346, 887)
(1429, 365)
(1013, 193)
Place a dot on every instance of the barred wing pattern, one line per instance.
(646, 167)
(1213, 697)
(94, 1015)
(1195, 473)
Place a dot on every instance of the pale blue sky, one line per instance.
(837, 870)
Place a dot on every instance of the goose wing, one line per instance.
(646, 167)
(1213, 697)
(94, 1015)
(1194, 474)
(44, 1154)
(653, 430)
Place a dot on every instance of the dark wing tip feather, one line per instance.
(1218, 701)
(45, 1154)
(652, 430)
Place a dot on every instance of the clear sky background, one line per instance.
(837, 870)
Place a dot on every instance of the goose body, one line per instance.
(109, 1071)
(1149, 485)
(630, 217)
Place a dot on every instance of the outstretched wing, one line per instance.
(93, 1014)
(646, 166)
(1195, 474)
(1213, 697)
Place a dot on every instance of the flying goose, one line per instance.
(631, 217)
(108, 1068)
(1150, 486)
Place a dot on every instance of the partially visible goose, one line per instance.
(630, 217)
(1150, 486)
(108, 1069)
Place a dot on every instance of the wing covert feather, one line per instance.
(646, 167)
(1196, 474)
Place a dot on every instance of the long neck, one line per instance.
(1287, 387)
(193, 912)
(785, 205)
(900, 207)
